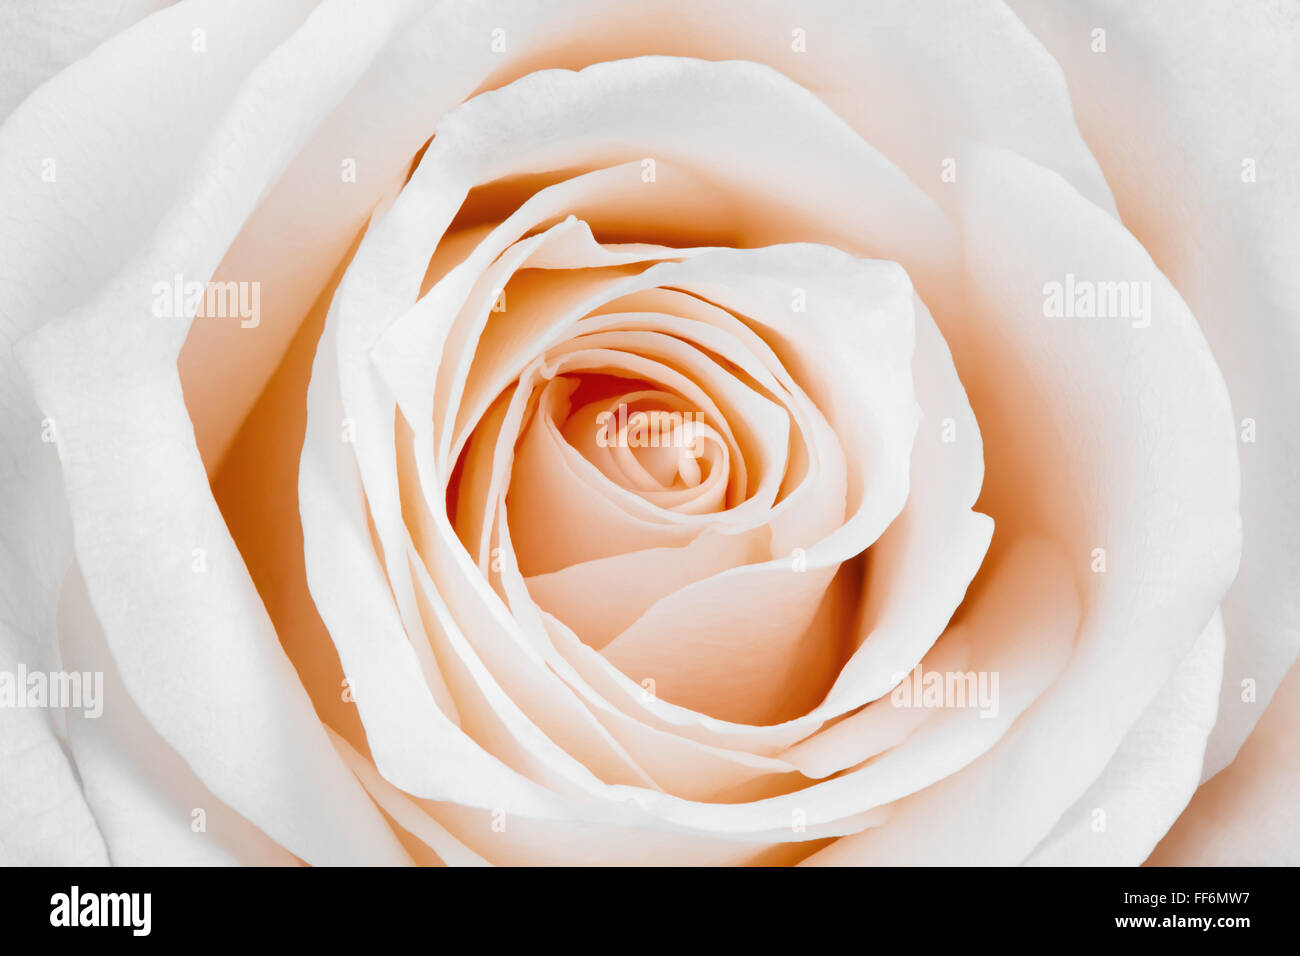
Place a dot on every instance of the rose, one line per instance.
(473, 714)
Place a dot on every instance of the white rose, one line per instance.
(369, 575)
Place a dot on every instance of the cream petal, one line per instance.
(1168, 521)
(599, 599)
(256, 488)
(483, 354)
(726, 491)
(42, 37)
(1246, 815)
(724, 769)
(731, 645)
(766, 821)
(1006, 90)
(711, 272)
(762, 612)
(691, 768)
(1027, 642)
(144, 796)
(751, 426)
(409, 733)
(77, 121)
(934, 548)
(506, 840)
(44, 817)
(851, 350)
(415, 342)
(376, 412)
(406, 812)
(478, 142)
(229, 669)
(1153, 774)
(112, 130)
(808, 507)
(877, 727)
(918, 572)
(546, 502)
(521, 716)
(411, 738)
(1022, 628)
(1164, 124)
(837, 810)
(134, 479)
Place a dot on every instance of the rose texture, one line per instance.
(585, 433)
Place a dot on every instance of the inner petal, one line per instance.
(653, 442)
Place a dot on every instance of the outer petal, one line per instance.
(277, 768)
(1194, 113)
(44, 818)
(1246, 816)
(56, 246)
(38, 38)
(1094, 433)
(151, 808)
(1153, 774)
(1006, 90)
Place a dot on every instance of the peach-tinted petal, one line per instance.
(134, 479)
(149, 805)
(920, 568)
(1199, 143)
(1153, 774)
(100, 124)
(1167, 521)
(1246, 815)
(406, 812)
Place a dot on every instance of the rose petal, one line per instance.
(1153, 774)
(79, 120)
(1173, 136)
(1021, 629)
(1030, 651)
(41, 37)
(278, 768)
(1168, 521)
(920, 568)
(144, 797)
(1246, 815)
(405, 811)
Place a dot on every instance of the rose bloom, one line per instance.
(666, 432)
